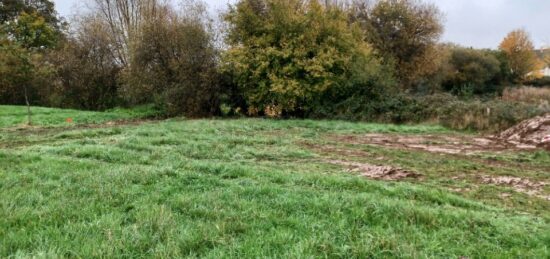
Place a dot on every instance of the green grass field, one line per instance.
(253, 188)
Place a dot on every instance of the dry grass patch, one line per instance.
(529, 95)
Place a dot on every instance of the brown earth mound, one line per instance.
(388, 173)
(535, 131)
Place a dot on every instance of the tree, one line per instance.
(174, 64)
(21, 50)
(87, 73)
(124, 19)
(31, 31)
(10, 10)
(22, 75)
(520, 52)
(285, 55)
(472, 71)
(14, 65)
(404, 32)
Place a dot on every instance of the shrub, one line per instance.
(388, 108)
(445, 109)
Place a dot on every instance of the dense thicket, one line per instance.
(368, 60)
(120, 52)
(86, 72)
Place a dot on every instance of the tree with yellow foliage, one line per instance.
(285, 55)
(520, 52)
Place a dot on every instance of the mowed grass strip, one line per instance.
(234, 188)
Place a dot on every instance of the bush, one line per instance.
(445, 109)
(388, 108)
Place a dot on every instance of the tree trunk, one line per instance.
(29, 113)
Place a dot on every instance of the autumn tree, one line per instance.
(10, 10)
(124, 18)
(31, 31)
(175, 63)
(285, 55)
(404, 33)
(21, 52)
(87, 72)
(520, 52)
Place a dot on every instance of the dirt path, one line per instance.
(54, 129)
(445, 144)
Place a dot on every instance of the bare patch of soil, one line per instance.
(388, 173)
(521, 185)
(330, 149)
(432, 143)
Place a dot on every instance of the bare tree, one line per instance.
(124, 19)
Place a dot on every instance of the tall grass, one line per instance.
(530, 95)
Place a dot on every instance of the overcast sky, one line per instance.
(477, 23)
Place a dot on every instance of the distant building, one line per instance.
(545, 71)
(543, 55)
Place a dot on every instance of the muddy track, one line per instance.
(445, 144)
(49, 131)
(53, 129)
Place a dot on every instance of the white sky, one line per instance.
(477, 23)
